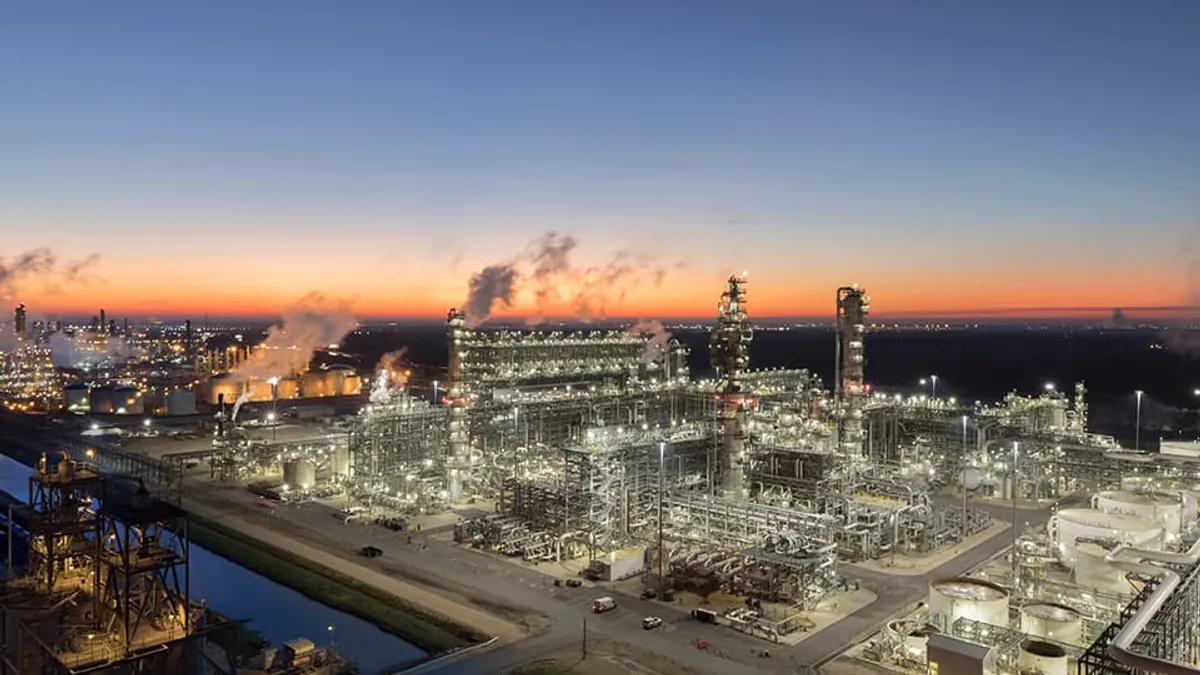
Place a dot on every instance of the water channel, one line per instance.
(275, 611)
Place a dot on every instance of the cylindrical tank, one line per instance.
(333, 381)
(127, 401)
(1052, 622)
(1093, 571)
(1069, 525)
(101, 401)
(340, 462)
(351, 385)
(1057, 414)
(223, 384)
(1043, 658)
(1166, 510)
(312, 385)
(181, 402)
(964, 598)
(288, 387)
(299, 474)
(260, 390)
(77, 398)
(1137, 483)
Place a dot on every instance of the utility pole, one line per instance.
(1013, 487)
(964, 477)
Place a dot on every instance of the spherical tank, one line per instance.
(77, 398)
(127, 401)
(1069, 525)
(1052, 622)
(1092, 570)
(288, 387)
(1043, 658)
(222, 385)
(312, 385)
(964, 598)
(101, 401)
(260, 390)
(181, 402)
(1166, 510)
(299, 474)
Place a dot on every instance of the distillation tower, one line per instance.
(729, 352)
(457, 453)
(849, 388)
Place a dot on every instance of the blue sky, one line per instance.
(893, 143)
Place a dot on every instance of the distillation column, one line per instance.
(850, 388)
(729, 353)
(458, 454)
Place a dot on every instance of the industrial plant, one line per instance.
(600, 449)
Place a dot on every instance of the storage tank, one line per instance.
(1136, 483)
(1164, 509)
(312, 384)
(964, 598)
(288, 387)
(100, 401)
(77, 398)
(299, 474)
(181, 402)
(1052, 622)
(222, 384)
(351, 384)
(128, 401)
(1092, 570)
(340, 462)
(1069, 525)
(260, 390)
(1043, 658)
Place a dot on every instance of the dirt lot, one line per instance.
(603, 658)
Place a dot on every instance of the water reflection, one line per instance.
(275, 611)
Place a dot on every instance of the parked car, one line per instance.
(370, 552)
(651, 622)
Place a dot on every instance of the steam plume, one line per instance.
(1187, 340)
(312, 323)
(38, 267)
(659, 336)
(590, 292)
(389, 376)
(76, 351)
(237, 405)
(492, 284)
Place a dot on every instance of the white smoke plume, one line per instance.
(590, 292)
(390, 375)
(1187, 340)
(78, 350)
(37, 271)
(243, 399)
(656, 348)
(312, 323)
(492, 284)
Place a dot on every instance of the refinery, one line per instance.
(598, 451)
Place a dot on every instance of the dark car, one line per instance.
(370, 551)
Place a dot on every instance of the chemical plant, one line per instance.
(600, 449)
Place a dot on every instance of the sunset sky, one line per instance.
(230, 157)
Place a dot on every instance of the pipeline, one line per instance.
(1121, 646)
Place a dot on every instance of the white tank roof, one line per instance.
(1050, 611)
(1111, 521)
(968, 589)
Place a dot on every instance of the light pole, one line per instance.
(1050, 387)
(1013, 487)
(662, 453)
(435, 391)
(271, 420)
(332, 640)
(933, 387)
(1137, 424)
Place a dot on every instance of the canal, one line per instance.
(277, 612)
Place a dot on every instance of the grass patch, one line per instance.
(431, 633)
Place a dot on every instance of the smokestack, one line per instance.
(103, 321)
(19, 319)
(187, 338)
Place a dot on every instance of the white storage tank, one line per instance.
(1166, 510)
(100, 401)
(1043, 658)
(77, 398)
(181, 402)
(299, 474)
(1092, 570)
(1069, 525)
(1136, 483)
(1052, 622)
(127, 401)
(340, 462)
(965, 598)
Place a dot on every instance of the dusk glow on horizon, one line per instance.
(229, 158)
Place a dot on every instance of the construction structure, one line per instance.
(106, 588)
